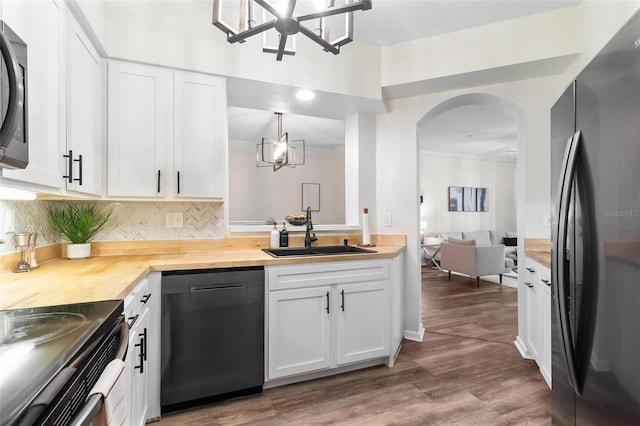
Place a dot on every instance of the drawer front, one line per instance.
(318, 274)
(539, 273)
(138, 299)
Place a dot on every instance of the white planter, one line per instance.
(78, 251)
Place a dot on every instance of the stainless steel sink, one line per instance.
(316, 251)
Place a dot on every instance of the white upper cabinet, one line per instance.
(84, 113)
(199, 132)
(64, 100)
(136, 131)
(41, 25)
(167, 133)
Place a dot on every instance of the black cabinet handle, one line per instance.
(79, 161)
(140, 358)
(69, 175)
(158, 181)
(178, 182)
(145, 298)
(132, 321)
(547, 282)
(328, 302)
(144, 343)
(528, 284)
(342, 306)
(533, 271)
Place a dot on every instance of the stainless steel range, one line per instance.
(50, 357)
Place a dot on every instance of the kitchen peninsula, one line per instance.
(371, 283)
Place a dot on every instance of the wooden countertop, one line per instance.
(61, 281)
(538, 249)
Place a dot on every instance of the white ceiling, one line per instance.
(395, 21)
(493, 134)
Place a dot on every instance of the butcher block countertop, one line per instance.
(538, 249)
(103, 277)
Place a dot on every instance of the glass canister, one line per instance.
(22, 243)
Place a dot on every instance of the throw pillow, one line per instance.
(462, 242)
(510, 242)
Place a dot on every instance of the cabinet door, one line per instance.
(362, 312)
(199, 135)
(545, 367)
(41, 25)
(84, 118)
(136, 133)
(534, 317)
(299, 331)
(138, 347)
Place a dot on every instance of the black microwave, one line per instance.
(14, 140)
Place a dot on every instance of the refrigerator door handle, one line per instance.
(560, 272)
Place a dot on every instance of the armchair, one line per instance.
(473, 260)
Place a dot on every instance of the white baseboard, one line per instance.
(416, 336)
(523, 349)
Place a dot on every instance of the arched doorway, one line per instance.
(498, 142)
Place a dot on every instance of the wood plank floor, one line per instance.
(466, 372)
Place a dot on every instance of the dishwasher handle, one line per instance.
(218, 287)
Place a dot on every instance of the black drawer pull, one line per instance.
(328, 302)
(145, 298)
(342, 306)
(547, 282)
(528, 284)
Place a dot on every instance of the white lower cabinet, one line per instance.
(538, 317)
(142, 355)
(299, 331)
(327, 315)
(362, 321)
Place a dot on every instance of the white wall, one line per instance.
(179, 34)
(256, 193)
(438, 173)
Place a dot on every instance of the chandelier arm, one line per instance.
(322, 42)
(272, 10)
(361, 5)
(251, 31)
(290, 6)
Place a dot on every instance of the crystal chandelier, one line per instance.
(281, 152)
(259, 16)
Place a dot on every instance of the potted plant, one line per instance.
(79, 224)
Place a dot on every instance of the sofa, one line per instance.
(491, 253)
(488, 238)
(464, 257)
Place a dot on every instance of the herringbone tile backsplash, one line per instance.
(130, 221)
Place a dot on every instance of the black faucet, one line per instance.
(309, 237)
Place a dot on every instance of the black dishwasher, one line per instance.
(212, 335)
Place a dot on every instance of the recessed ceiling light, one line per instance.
(305, 95)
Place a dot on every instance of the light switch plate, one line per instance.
(387, 219)
(9, 222)
(174, 220)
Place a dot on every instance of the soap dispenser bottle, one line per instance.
(275, 237)
(284, 236)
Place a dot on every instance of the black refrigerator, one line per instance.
(595, 189)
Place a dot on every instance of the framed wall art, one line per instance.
(469, 199)
(455, 198)
(482, 199)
